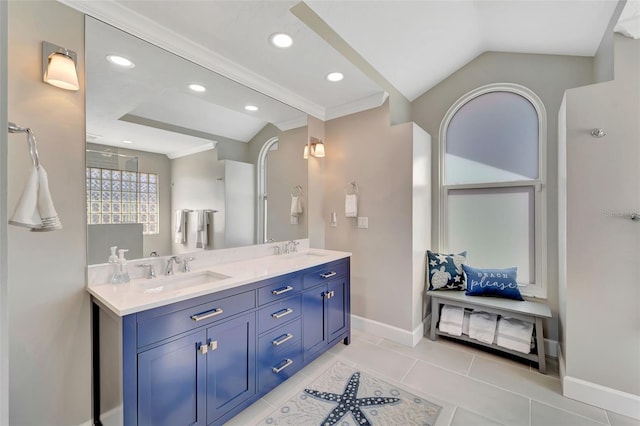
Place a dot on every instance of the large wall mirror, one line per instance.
(178, 157)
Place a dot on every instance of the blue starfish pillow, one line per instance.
(445, 271)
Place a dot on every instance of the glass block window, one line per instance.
(119, 196)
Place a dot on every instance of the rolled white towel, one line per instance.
(451, 318)
(482, 326)
(514, 334)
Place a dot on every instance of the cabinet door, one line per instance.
(171, 383)
(337, 308)
(231, 377)
(313, 328)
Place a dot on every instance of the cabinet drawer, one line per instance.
(273, 371)
(279, 289)
(277, 342)
(325, 273)
(279, 313)
(154, 329)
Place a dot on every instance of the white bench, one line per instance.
(532, 312)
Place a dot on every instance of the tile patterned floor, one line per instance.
(474, 387)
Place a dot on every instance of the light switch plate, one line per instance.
(363, 222)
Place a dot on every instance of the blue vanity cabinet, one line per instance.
(171, 383)
(203, 360)
(326, 308)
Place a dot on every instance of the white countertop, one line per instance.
(142, 294)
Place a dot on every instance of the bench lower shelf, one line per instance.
(530, 356)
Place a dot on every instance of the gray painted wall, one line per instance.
(602, 246)
(363, 147)
(49, 329)
(548, 76)
(4, 316)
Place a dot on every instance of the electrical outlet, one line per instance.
(363, 222)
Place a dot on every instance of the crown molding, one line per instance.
(359, 105)
(140, 26)
(294, 123)
(629, 27)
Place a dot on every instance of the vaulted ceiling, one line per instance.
(413, 45)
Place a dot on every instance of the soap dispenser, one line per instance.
(121, 274)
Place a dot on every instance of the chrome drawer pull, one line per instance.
(285, 365)
(203, 349)
(329, 274)
(286, 338)
(282, 313)
(200, 317)
(282, 290)
(213, 345)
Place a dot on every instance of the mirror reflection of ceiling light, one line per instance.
(281, 40)
(251, 108)
(197, 87)
(334, 76)
(127, 142)
(120, 61)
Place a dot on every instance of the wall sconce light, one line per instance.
(59, 66)
(315, 147)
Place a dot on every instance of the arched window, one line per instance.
(492, 176)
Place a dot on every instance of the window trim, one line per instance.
(539, 289)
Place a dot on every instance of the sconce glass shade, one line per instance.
(305, 155)
(318, 150)
(59, 67)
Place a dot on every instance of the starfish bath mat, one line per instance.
(344, 396)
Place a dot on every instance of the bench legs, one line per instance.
(435, 316)
(542, 361)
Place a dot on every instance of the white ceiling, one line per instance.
(413, 44)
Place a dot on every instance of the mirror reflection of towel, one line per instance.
(296, 205)
(181, 227)
(35, 209)
(201, 229)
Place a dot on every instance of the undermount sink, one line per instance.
(181, 281)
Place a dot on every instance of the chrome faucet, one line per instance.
(292, 246)
(151, 271)
(170, 262)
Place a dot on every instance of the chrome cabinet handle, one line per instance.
(203, 349)
(282, 313)
(329, 274)
(329, 294)
(287, 363)
(213, 345)
(205, 315)
(286, 338)
(282, 290)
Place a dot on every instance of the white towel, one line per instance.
(35, 209)
(201, 229)
(351, 205)
(180, 236)
(296, 205)
(482, 326)
(514, 334)
(451, 320)
(465, 322)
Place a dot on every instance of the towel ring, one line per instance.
(31, 139)
(297, 191)
(353, 187)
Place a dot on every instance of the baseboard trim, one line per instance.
(398, 335)
(597, 395)
(551, 348)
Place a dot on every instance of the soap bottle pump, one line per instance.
(121, 274)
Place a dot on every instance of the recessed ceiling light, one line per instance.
(281, 40)
(120, 61)
(197, 87)
(335, 76)
(127, 141)
(251, 107)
